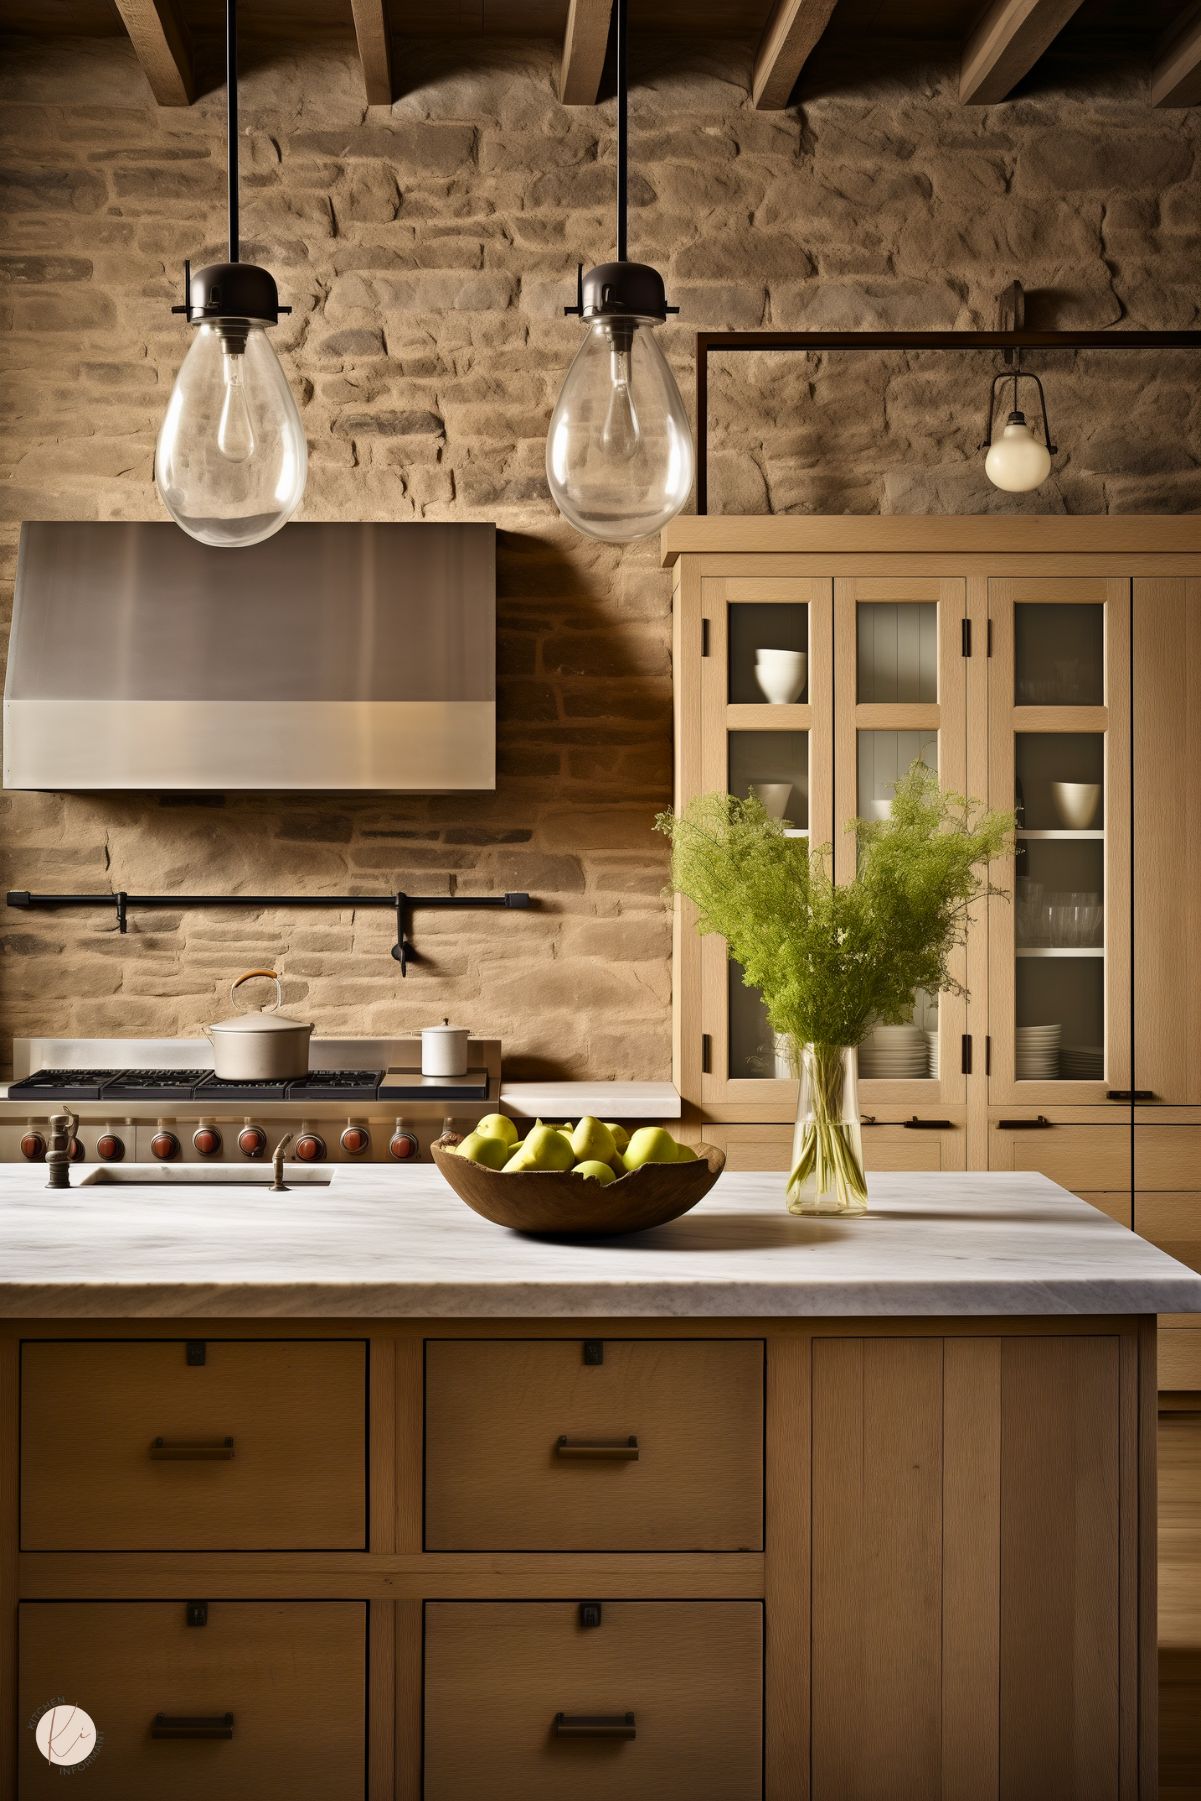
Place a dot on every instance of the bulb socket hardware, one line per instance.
(233, 296)
(621, 290)
(1016, 417)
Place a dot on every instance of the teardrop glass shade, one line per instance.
(1017, 461)
(231, 460)
(619, 456)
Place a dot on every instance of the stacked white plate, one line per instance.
(932, 1053)
(1082, 1062)
(1038, 1053)
(894, 1054)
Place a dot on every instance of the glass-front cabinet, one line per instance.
(1059, 756)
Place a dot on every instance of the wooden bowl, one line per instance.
(569, 1206)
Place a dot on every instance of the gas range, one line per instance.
(144, 1100)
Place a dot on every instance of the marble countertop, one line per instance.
(605, 1100)
(384, 1243)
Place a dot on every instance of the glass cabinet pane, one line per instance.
(897, 643)
(768, 648)
(1059, 655)
(775, 767)
(884, 757)
(754, 1052)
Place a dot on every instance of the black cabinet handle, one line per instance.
(192, 1725)
(1041, 1124)
(928, 1125)
(192, 1450)
(595, 1725)
(1130, 1094)
(615, 1450)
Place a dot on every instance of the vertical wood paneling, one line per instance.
(876, 1569)
(409, 1674)
(971, 1567)
(786, 1575)
(1059, 1562)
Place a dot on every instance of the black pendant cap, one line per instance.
(624, 291)
(233, 292)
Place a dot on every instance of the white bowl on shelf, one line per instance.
(1076, 803)
(774, 796)
(781, 675)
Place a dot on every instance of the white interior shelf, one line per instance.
(1093, 833)
(1051, 950)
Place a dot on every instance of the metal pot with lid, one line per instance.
(444, 1050)
(265, 1046)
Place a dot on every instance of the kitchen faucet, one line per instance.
(278, 1185)
(63, 1127)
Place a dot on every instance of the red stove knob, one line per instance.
(77, 1152)
(165, 1146)
(33, 1147)
(403, 1145)
(310, 1148)
(252, 1141)
(207, 1140)
(110, 1148)
(355, 1140)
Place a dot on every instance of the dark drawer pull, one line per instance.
(192, 1725)
(192, 1450)
(613, 1450)
(1041, 1124)
(1130, 1094)
(928, 1125)
(595, 1725)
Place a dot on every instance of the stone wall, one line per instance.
(428, 254)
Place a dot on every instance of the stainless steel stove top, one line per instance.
(364, 1100)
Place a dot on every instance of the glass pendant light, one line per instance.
(619, 455)
(1017, 460)
(231, 458)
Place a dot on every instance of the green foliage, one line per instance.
(830, 959)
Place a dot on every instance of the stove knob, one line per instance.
(403, 1145)
(110, 1148)
(355, 1140)
(207, 1140)
(164, 1145)
(309, 1148)
(252, 1141)
(33, 1147)
(77, 1151)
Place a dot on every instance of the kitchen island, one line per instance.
(345, 1491)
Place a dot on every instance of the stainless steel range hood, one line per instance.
(333, 657)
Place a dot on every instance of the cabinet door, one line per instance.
(1059, 750)
(748, 722)
(1180, 1600)
(1166, 662)
(899, 699)
(972, 1623)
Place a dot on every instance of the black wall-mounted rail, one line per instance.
(1024, 339)
(401, 903)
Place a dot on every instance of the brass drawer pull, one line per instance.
(1041, 1124)
(613, 1450)
(192, 1725)
(595, 1725)
(192, 1450)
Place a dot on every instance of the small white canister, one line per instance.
(444, 1050)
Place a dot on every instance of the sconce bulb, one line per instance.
(1017, 460)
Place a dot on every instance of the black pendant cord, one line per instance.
(231, 123)
(623, 133)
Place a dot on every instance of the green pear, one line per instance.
(592, 1171)
(649, 1144)
(498, 1125)
(621, 1137)
(546, 1148)
(478, 1147)
(592, 1142)
(685, 1153)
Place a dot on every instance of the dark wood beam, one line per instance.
(585, 43)
(160, 41)
(375, 49)
(792, 30)
(1006, 44)
(1176, 77)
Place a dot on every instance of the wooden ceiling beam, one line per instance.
(789, 37)
(1006, 44)
(1176, 77)
(585, 46)
(160, 41)
(374, 36)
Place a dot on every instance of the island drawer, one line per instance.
(194, 1700)
(526, 1701)
(1076, 1156)
(173, 1444)
(590, 1445)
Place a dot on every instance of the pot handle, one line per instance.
(268, 975)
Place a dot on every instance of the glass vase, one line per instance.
(827, 1142)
